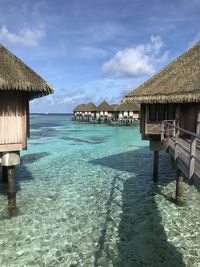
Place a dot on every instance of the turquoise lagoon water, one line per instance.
(85, 198)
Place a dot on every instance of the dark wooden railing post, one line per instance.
(162, 131)
(198, 123)
(174, 128)
(192, 159)
(176, 144)
(167, 136)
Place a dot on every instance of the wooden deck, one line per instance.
(184, 148)
(107, 120)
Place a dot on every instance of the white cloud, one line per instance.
(195, 40)
(25, 36)
(65, 99)
(137, 61)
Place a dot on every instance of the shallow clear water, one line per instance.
(86, 198)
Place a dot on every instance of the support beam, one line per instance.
(198, 123)
(5, 174)
(11, 188)
(192, 159)
(179, 188)
(155, 166)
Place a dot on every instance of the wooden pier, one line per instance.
(106, 120)
(184, 149)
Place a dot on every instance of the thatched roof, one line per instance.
(90, 107)
(80, 107)
(15, 75)
(76, 109)
(129, 107)
(178, 82)
(114, 107)
(104, 106)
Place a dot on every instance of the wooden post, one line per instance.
(5, 174)
(162, 131)
(192, 159)
(174, 129)
(167, 137)
(11, 188)
(176, 144)
(179, 188)
(198, 123)
(155, 166)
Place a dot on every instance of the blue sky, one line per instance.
(91, 50)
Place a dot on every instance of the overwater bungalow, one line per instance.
(114, 113)
(18, 85)
(90, 111)
(79, 112)
(128, 114)
(129, 111)
(170, 112)
(76, 111)
(103, 111)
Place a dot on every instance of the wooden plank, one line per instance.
(192, 155)
(11, 147)
(162, 131)
(11, 117)
(153, 128)
(186, 152)
(177, 132)
(198, 123)
(182, 166)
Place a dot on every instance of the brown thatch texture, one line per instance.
(80, 108)
(76, 109)
(90, 107)
(114, 107)
(104, 106)
(129, 107)
(178, 82)
(15, 75)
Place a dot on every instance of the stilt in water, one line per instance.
(179, 188)
(155, 165)
(5, 174)
(11, 188)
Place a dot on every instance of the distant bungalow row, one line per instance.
(123, 114)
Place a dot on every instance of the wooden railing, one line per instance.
(184, 147)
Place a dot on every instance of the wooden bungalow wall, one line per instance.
(13, 120)
(187, 116)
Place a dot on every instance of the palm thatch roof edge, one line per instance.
(16, 75)
(176, 83)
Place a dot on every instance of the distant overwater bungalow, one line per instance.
(104, 110)
(90, 112)
(18, 85)
(128, 113)
(111, 114)
(170, 115)
(79, 112)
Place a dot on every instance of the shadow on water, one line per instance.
(33, 157)
(142, 239)
(22, 172)
(90, 140)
